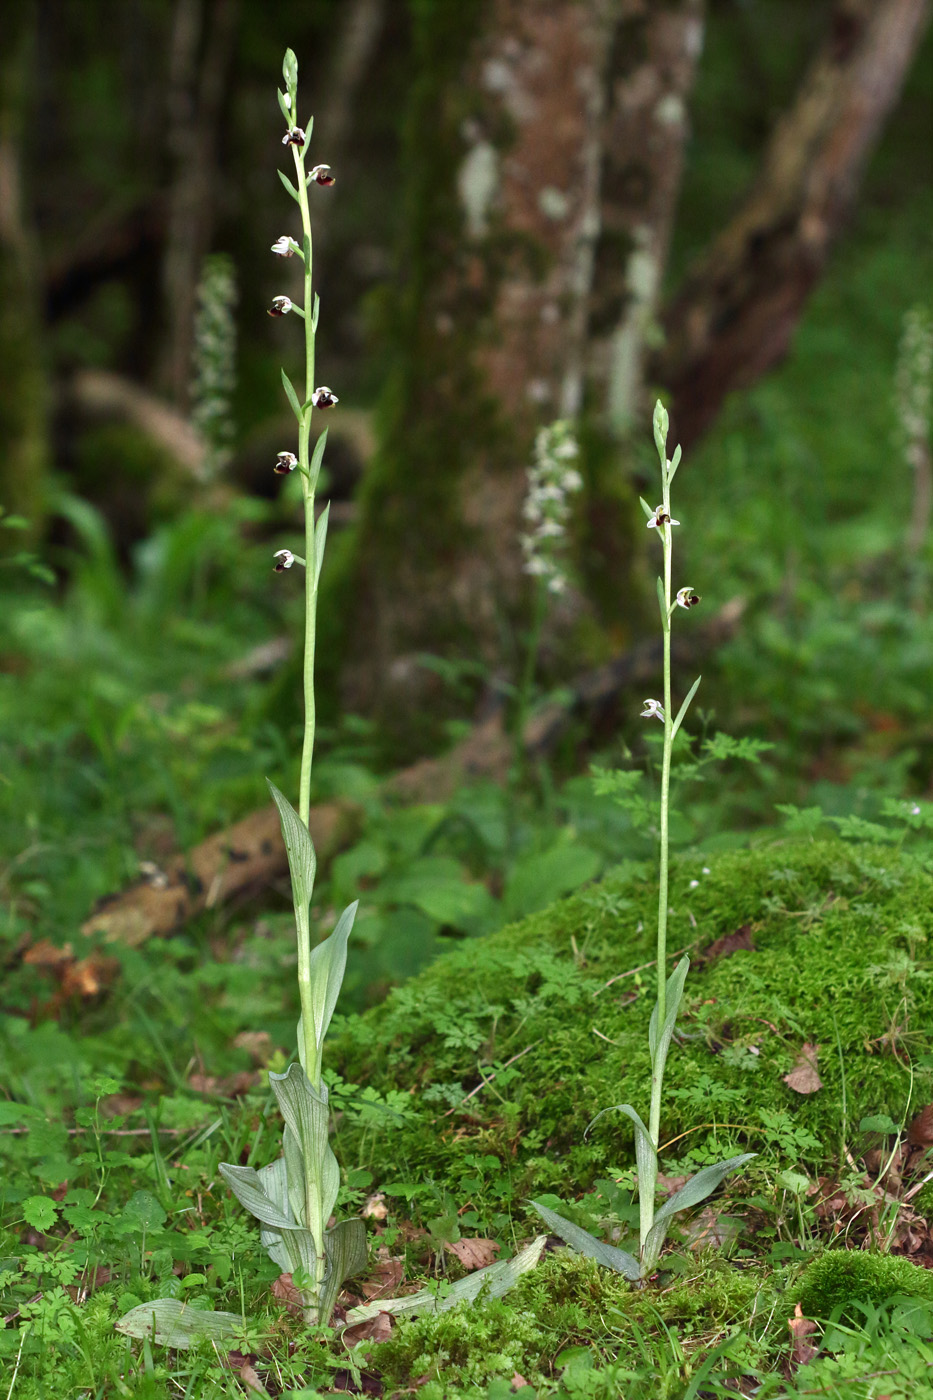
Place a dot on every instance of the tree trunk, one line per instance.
(488, 329)
(195, 96)
(734, 316)
(23, 397)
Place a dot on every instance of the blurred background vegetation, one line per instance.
(543, 208)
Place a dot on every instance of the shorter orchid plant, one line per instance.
(654, 1223)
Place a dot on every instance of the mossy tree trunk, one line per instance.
(489, 324)
(23, 398)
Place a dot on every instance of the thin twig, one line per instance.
(641, 968)
(487, 1081)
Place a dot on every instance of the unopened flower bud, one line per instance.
(324, 397)
(653, 710)
(321, 174)
(686, 597)
(284, 247)
(284, 559)
(285, 462)
(294, 136)
(280, 306)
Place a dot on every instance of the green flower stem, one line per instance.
(314, 1215)
(308, 488)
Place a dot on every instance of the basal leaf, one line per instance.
(347, 1254)
(173, 1323)
(702, 1184)
(496, 1279)
(246, 1185)
(584, 1243)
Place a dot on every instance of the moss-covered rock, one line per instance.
(552, 1013)
(842, 1276)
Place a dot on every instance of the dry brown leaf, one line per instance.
(384, 1279)
(920, 1132)
(374, 1329)
(89, 977)
(475, 1254)
(45, 953)
(284, 1291)
(375, 1207)
(519, 1382)
(257, 1044)
(800, 1329)
(804, 1078)
(740, 941)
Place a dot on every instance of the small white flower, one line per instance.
(324, 397)
(285, 462)
(705, 870)
(660, 518)
(694, 884)
(653, 710)
(915, 810)
(284, 247)
(284, 559)
(686, 598)
(557, 584)
(280, 306)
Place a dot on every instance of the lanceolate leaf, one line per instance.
(317, 455)
(584, 1243)
(646, 1160)
(302, 861)
(283, 106)
(289, 186)
(662, 604)
(316, 305)
(700, 1185)
(658, 1046)
(681, 713)
(291, 395)
(496, 1279)
(645, 507)
(175, 1324)
(674, 464)
(320, 539)
(328, 963)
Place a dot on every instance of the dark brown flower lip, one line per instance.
(294, 136)
(322, 176)
(285, 462)
(280, 306)
(324, 397)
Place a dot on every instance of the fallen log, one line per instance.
(250, 855)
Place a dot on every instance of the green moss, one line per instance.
(841, 1276)
(832, 966)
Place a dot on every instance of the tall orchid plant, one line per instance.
(654, 1224)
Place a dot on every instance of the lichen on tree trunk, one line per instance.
(488, 325)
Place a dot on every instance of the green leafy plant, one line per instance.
(654, 1223)
(293, 1197)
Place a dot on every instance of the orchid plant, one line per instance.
(654, 1223)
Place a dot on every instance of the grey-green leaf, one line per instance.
(700, 1185)
(283, 107)
(291, 395)
(662, 604)
(320, 539)
(685, 706)
(584, 1243)
(173, 1323)
(674, 464)
(328, 963)
(246, 1185)
(496, 1279)
(302, 861)
(290, 69)
(347, 1254)
(658, 1046)
(289, 186)
(646, 1157)
(316, 306)
(645, 507)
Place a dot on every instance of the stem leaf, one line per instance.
(307, 1115)
(673, 464)
(283, 107)
(320, 538)
(290, 394)
(289, 186)
(316, 306)
(588, 1245)
(645, 507)
(302, 862)
(317, 455)
(246, 1185)
(658, 1045)
(681, 713)
(328, 962)
(662, 604)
